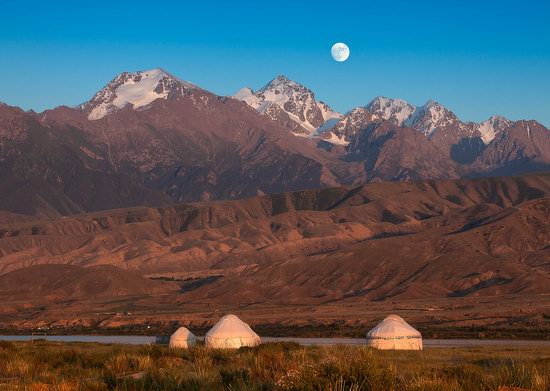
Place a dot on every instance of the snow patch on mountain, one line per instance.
(429, 117)
(294, 99)
(493, 126)
(396, 111)
(247, 95)
(134, 88)
(334, 139)
(432, 119)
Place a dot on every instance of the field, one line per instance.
(278, 366)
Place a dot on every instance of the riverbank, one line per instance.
(163, 340)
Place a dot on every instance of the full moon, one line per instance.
(340, 52)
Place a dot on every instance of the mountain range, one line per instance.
(445, 253)
(158, 201)
(150, 138)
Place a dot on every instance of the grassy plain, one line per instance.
(273, 366)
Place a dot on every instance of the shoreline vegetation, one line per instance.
(45, 365)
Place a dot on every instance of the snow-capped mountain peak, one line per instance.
(396, 111)
(493, 126)
(434, 120)
(295, 106)
(430, 117)
(134, 88)
(347, 127)
(280, 80)
(295, 100)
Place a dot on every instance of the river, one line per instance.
(145, 340)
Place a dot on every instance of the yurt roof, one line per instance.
(393, 326)
(230, 326)
(182, 332)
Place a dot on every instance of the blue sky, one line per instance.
(476, 57)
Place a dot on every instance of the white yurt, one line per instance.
(231, 333)
(394, 333)
(182, 338)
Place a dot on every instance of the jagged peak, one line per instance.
(155, 73)
(292, 98)
(382, 101)
(432, 106)
(282, 78)
(282, 81)
(138, 89)
(491, 127)
(355, 111)
(394, 110)
(431, 103)
(496, 117)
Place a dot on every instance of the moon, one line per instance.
(340, 52)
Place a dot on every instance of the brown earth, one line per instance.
(466, 253)
(64, 282)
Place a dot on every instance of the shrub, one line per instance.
(124, 363)
(522, 376)
(16, 366)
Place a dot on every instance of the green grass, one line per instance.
(275, 366)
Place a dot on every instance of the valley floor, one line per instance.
(496, 317)
(273, 366)
(456, 259)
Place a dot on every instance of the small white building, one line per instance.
(231, 333)
(182, 338)
(394, 333)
